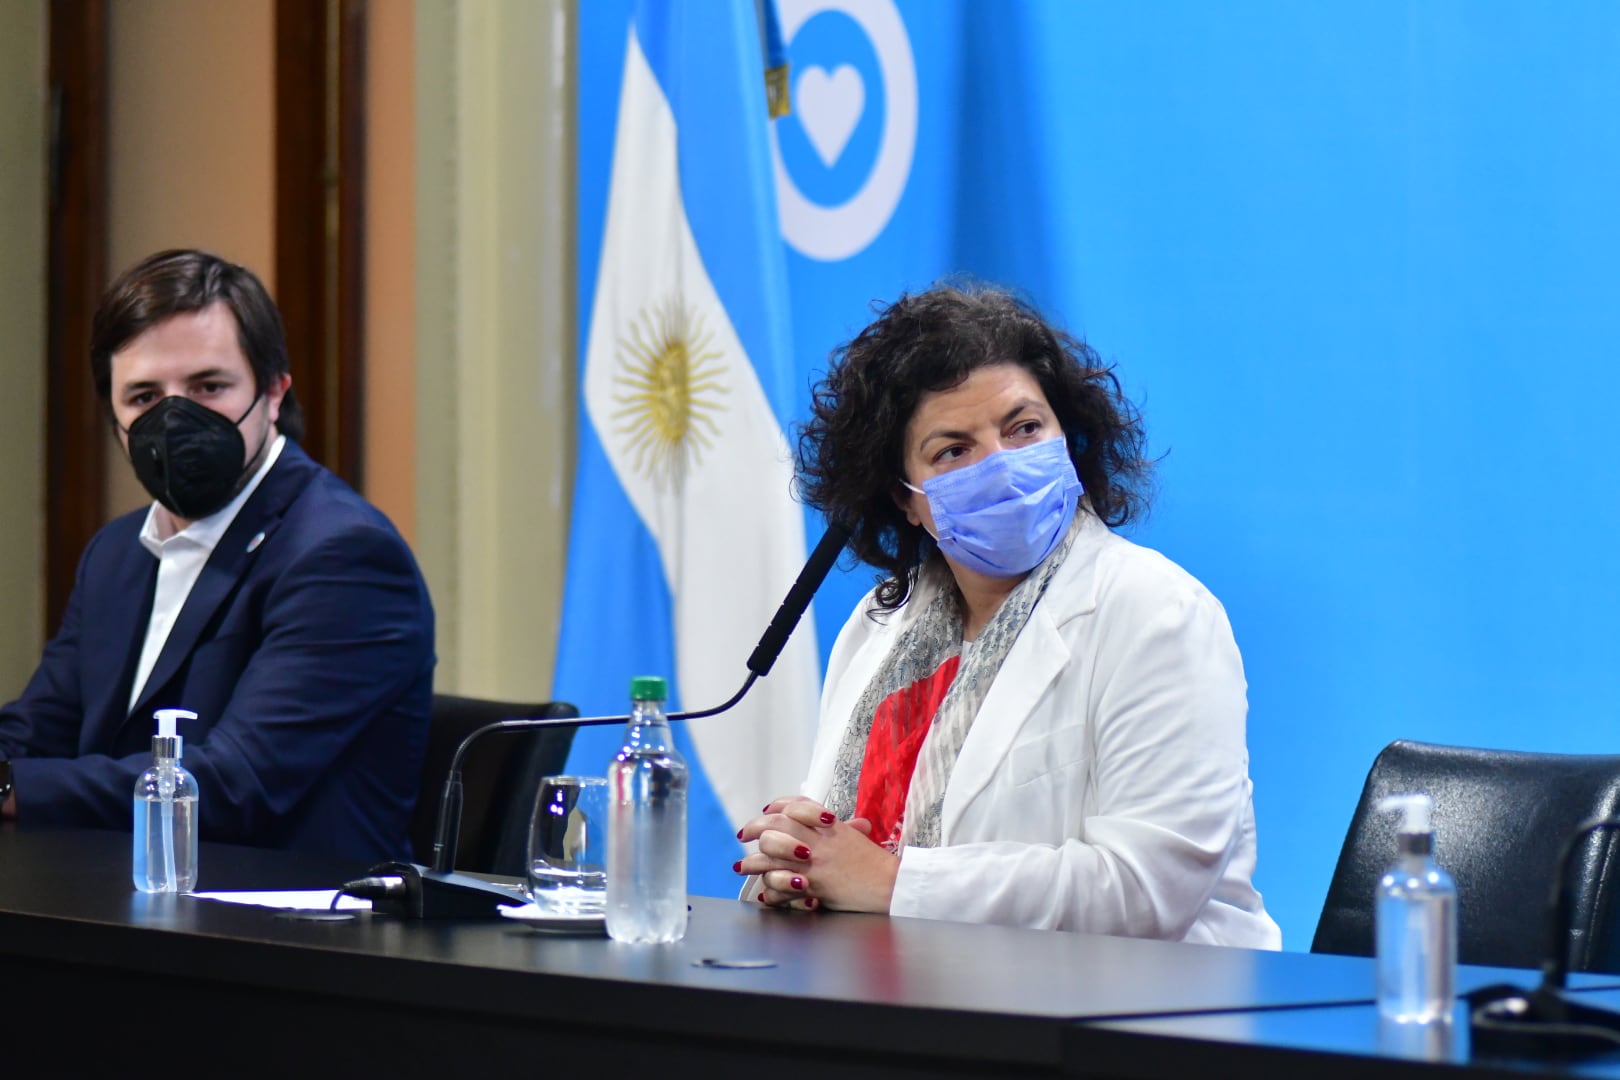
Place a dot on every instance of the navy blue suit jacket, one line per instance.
(305, 648)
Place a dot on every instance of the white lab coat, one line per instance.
(1104, 784)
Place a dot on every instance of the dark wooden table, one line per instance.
(867, 995)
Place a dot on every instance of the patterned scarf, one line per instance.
(933, 638)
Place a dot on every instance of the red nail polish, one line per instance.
(801, 853)
(798, 884)
(736, 867)
(812, 903)
(760, 898)
(765, 809)
(739, 834)
(828, 817)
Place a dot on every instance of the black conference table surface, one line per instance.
(1327, 1042)
(870, 994)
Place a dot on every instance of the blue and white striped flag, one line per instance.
(684, 532)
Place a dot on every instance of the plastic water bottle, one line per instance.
(1416, 921)
(646, 855)
(165, 854)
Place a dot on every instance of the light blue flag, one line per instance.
(685, 536)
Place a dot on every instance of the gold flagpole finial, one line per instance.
(778, 98)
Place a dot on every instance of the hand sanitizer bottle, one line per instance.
(646, 852)
(165, 857)
(1416, 923)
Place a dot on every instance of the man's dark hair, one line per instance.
(852, 450)
(180, 281)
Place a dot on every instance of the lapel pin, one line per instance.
(253, 544)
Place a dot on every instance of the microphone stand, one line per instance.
(439, 892)
(447, 831)
(1547, 1021)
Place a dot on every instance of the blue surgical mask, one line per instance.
(1003, 515)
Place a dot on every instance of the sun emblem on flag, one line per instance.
(671, 378)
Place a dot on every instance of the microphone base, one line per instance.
(1544, 1023)
(437, 894)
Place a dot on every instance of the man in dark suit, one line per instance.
(258, 591)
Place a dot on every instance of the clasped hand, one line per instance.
(809, 859)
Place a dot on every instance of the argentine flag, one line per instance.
(684, 535)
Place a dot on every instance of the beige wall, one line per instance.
(190, 145)
(390, 264)
(495, 334)
(192, 164)
(22, 335)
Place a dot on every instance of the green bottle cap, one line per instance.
(649, 688)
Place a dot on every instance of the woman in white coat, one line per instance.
(1030, 720)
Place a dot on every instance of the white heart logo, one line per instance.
(829, 107)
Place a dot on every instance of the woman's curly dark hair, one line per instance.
(852, 453)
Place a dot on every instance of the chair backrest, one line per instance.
(1501, 819)
(500, 775)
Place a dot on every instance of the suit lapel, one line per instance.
(110, 637)
(245, 541)
(1034, 661)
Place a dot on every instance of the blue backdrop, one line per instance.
(1357, 263)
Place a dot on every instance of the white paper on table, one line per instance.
(303, 900)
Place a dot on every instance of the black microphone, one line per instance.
(798, 598)
(446, 834)
(1547, 1021)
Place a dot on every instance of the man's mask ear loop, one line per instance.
(262, 442)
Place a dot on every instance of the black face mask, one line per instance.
(189, 457)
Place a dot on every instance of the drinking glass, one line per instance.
(568, 846)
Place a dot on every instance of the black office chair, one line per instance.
(500, 775)
(1500, 821)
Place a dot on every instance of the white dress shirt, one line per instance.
(181, 559)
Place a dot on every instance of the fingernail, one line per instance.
(812, 903)
(739, 834)
(736, 867)
(828, 817)
(760, 898)
(765, 809)
(798, 883)
(801, 853)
